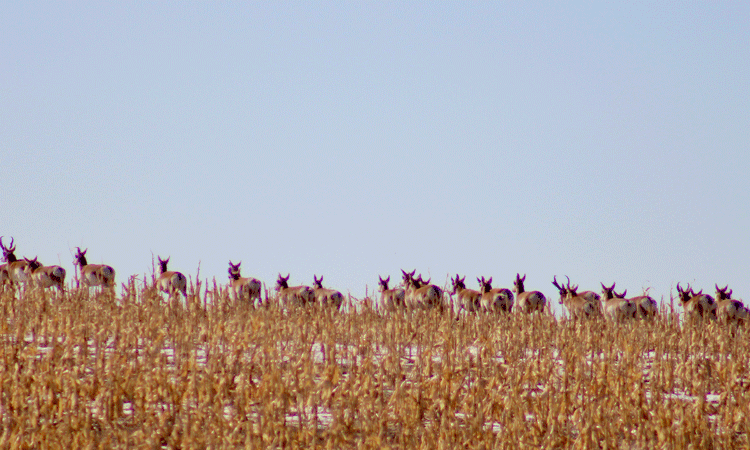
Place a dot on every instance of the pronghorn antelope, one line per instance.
(243, 288)
(46, 276)
(646, 306)
(326, 297)
(93, 275)
(170, 281)
(696, 305)
(617, 307)
(729, 309)
(468, 299)
(420, 293)
(580, 306)
(14, 271)
(588, 295)
(497, 299)
(295, 295)
(528, 302)
(392, 299)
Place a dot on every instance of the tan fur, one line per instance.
(495, 299)
(93, 275)
(646, 307)
(729, 310)
(392, 299)
(468, 299)
(242, 288)
(422, 294)
(617, 308)
(326, 297)
(14, 271)
(580, 306)
(696, 305)
(170, 281)
(528, 302)
(294, 295)
(46, 276)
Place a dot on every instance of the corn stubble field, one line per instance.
(91, 370)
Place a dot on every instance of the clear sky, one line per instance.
(606, 142)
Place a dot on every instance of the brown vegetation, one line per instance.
(86, 370)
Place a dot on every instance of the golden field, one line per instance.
(135, 370)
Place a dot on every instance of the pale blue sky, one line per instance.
(607, 142)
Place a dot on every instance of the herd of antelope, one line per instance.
(412, 293)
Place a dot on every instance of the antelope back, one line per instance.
(696, 305)
(425, 296)
(392, 299)
(498, 300)
(46, 276)
(619, 309)
(468, 299)
(704, 305)
(247, 288)
(329, 297)
(171, 281)
(728, 309)
(19, 271)
(530, 302)
(295, 295)
(646, 307)
(98, 275)
(326, 297)
(579, 306)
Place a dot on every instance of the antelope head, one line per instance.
(163, 264)
(9, 251)
(609, 291)
(282, 282)
(383, 283)
(572, 290)
(81, 257)
(33, 264)
(317, 283)
(408, 277)
(518, 283)
(485, 285)
(684, 294)
(560, 287)
(458, 284)
(722, 294)
(234, 270)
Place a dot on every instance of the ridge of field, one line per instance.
(94, 370)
